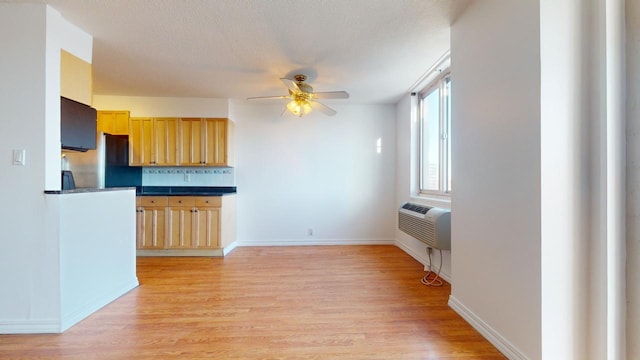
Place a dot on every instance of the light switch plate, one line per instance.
(19, 156)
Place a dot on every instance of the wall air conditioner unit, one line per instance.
(430, 225)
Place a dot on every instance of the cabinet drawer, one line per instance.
(182, 201)
(153, 201)
(208, 201)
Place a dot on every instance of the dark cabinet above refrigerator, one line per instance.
(117, 149)
(77, 125)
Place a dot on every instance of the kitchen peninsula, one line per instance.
(96, 248)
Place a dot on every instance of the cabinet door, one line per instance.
(113, 122)
(106, 121)
(215, 142)
(165, 146)
(180, 227)
(191, 150)
(141, 142)
(206, 232)
(151, 228)
(121, 120)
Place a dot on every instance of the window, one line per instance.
(434, 109)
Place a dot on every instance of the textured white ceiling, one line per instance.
(374, 49)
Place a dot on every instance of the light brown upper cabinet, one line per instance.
(181, 142)
(191, 134)
(166, 141)
(153, 141)
(140, 139)
(206, 142)
(113, 122)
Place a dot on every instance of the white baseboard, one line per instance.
(36, 326)
(76, 315)
(294, 242)
(312, 242)
(229, 248)
(422, 258)
(494, 337)
(56, 326)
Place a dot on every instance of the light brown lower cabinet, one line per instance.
(151, 222)
(184, 222)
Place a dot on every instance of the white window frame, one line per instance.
(437, 82)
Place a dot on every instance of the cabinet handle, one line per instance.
(153, 201)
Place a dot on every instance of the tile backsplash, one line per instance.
(188, 176)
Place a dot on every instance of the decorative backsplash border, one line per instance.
(188, 176)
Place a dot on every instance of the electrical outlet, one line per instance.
(187, 177)
(310, 232)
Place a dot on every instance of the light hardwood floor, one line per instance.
(315, 302)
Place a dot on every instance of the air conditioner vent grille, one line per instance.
(416, 208)
(432, 227)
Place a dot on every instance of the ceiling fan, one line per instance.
(303, 99)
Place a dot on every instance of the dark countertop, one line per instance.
(86, 190)
(185, 190)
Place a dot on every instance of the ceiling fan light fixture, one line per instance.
(299, 107)
(302, 98)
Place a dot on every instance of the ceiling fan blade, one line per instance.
(269, 97)
(323, 108)
(331, 95)
(291, 85)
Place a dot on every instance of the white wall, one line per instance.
(23, 126)
(582, 106)
(316, 172)
(146, 106)
(294, 174)
(565, 180)
(633, 178)
(31, 37)
(538, 163)
(496, 165)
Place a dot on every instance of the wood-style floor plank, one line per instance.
(315, 302)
